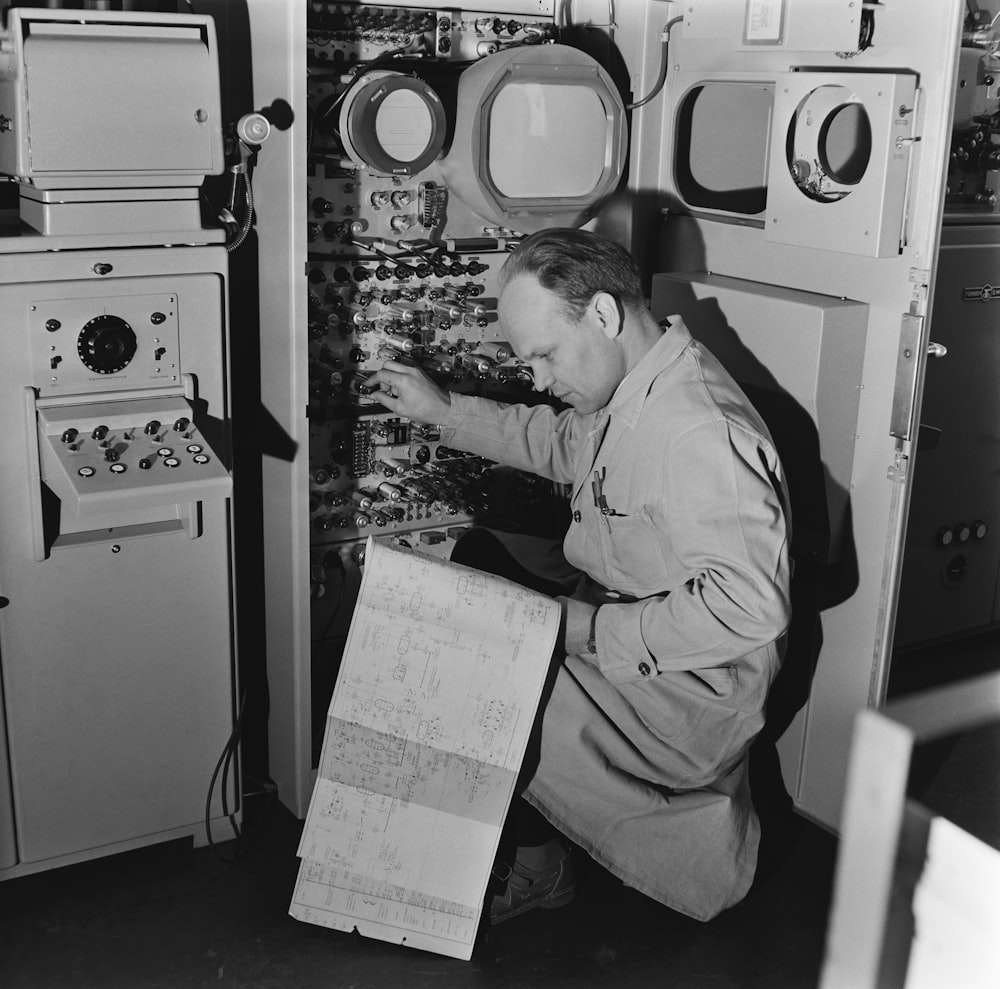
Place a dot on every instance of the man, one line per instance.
(679, 529)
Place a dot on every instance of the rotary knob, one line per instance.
(106, 344)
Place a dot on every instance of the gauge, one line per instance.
(106, 344)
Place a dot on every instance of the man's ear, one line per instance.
(607, 309)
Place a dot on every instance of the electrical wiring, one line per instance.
(247, 222)
(662, 75)
(244, 837)
(229, 753)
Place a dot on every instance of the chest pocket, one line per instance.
(632, 555)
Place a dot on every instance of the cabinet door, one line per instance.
(953, 538)
(802, 169)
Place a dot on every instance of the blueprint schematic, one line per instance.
(425, 734)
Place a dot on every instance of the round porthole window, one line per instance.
(829, 143)
(393, 124)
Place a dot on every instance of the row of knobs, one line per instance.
(437, 268)
(71, 436)
(962, 532)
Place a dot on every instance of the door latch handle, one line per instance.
(936, 350)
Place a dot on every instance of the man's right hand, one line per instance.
(407, 390)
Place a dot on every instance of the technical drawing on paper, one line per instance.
(425, 735)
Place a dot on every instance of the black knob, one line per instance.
(106, 344)
(181, 424)
(151, 428)
(99, 432)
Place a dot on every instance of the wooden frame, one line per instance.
(884, 834)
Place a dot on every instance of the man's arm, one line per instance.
(532, 438)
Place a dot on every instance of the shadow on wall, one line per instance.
(825, 566)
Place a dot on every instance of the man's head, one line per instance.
(566, 297)
(576, 265)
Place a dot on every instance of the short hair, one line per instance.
(576, 265)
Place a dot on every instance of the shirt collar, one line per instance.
(630, 395)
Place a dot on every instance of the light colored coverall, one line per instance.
(644, 745)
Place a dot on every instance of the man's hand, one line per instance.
(408, 391)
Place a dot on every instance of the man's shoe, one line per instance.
(526, 888)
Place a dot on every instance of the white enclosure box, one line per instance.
(95, 99)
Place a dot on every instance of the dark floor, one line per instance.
(172, 917)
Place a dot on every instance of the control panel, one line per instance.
(109, 456)
(344, 33)
(128, 428)
(85, 345)
(380, 472)
(431, 308)
(398, 268)
(974, 156)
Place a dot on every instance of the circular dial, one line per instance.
(106, 344)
